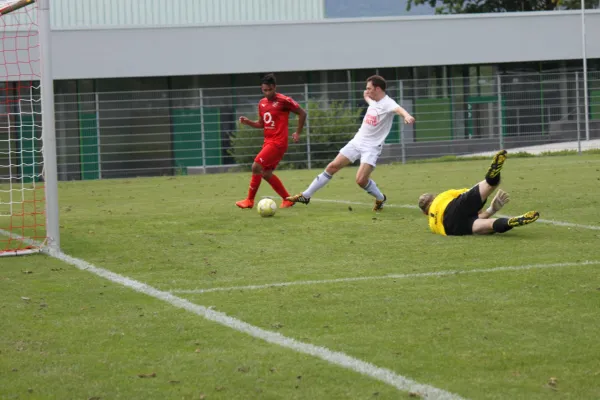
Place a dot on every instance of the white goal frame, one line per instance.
(50, 176)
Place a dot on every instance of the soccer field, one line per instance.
(325, 301)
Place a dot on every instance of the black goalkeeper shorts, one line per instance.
(461, 213)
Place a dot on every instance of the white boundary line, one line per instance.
(380, 277)
(544, 221)
(358, 203)
(16, 253)
(337, 358)
(568, 224)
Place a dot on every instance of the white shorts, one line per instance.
(367, 154)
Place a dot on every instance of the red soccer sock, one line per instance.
(277, 185)
(254, 185)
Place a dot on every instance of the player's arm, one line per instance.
(500, 200)
(301, 121)
(260, 124)
(368, 100)
(408, 119)
(301, 113)
(254, 124)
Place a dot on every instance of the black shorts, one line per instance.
(462, 212)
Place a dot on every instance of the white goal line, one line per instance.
(381, 277)
(340, 359)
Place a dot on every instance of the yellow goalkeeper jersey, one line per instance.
(437, 208)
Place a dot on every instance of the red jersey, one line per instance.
(275, 116)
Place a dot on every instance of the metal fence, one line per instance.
(124, 134)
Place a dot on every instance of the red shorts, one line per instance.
(270, 156)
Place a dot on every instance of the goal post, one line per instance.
(28, 171)
(6, 7)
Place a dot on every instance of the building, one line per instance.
(141, 86)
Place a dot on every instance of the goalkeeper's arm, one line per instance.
(500, 200)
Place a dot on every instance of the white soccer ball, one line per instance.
(267, 207)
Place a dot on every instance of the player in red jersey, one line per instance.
(273, 117)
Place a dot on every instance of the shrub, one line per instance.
(332, 125)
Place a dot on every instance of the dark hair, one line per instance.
(377, 81)
(268, 79)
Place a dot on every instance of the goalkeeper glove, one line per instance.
(500, 200)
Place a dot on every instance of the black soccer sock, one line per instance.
(493, 181)
(501, 225)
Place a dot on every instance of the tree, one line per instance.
(493, 6)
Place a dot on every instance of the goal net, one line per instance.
(22, 210)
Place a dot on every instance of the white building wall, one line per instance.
(323, 45)
(141, 50)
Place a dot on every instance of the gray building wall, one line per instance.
(323, 45)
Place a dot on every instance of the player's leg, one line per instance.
(462, 212)
(347, 155)
(485, 190)
(271, 156)
(255, 180)
(340, 161)
(501, 225)
(278, 187)
(363, 175)
(492, 178)
(368, 161)
(363, 179)
(466, 207)
(483, 226)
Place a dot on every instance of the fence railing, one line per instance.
(122, 134)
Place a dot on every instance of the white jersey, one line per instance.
(377, 122)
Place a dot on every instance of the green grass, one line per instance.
(22, 218)
(520, 154)
(489, 335)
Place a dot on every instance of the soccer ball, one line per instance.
(267, 207)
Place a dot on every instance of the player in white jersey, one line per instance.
(366, 144)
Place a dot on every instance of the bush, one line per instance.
(331, 127)
(246, 142)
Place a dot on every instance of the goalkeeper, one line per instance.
(459, 212)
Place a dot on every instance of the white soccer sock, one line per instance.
(373, 190)
(321, 180)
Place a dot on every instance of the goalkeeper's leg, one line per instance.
(492, 177)
(501, 225)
